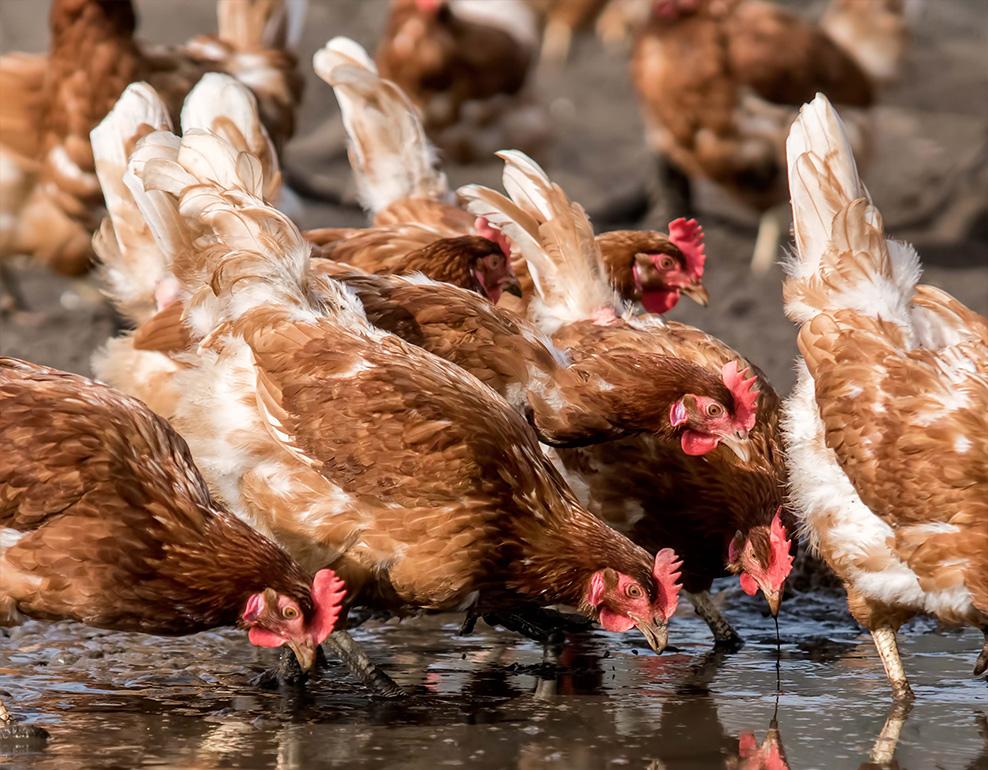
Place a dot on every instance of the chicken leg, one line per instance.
(725, 637)
(981, 664)
(361, 666)
(670, 195)
(770, 228)
(884, 637)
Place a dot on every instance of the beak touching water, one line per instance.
(305, 653)
(656, 633)
(774, 599)
(737, 444)
(698, 293)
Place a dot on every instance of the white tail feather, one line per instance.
(554, 236)
(226, 107)
(133, 264)
(390, 153)
(842, 259)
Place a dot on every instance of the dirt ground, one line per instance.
(929, 176)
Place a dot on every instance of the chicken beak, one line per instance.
(738, 445)
(774, 599)
(511, 286)
(656, 633)
(305, 653)
(698, 293)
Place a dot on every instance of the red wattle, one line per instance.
(659, 301)
(696, 444)
(261, 637)
(613, 621)
(748, 584)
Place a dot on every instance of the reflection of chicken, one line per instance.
(888, 425)
(465, 64)
(718, 81)
(714, 486)
(51, 198)
(105, 520)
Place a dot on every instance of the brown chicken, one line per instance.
(415, 481)
(104, 519)
(401, 185)
(465, 64)
(721, 510)
(51, 199)
(887, 429)
(718, 82)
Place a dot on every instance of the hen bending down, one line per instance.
(719, 81)
(714, 485)
(887, 429)
(51, 201)
(420, 485)
(107, 521)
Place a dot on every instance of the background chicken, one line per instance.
(466, 64)
(106, 520)
(51, 198)
(722, 510)
(887, 429)
(718, 82)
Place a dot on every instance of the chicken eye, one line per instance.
(714, 410)
(289, 613)
(634, 591)
(667, 263)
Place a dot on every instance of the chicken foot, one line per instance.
(539, 624)
(288, 672)
(725, 637)
(888, 651)
(11, 732)
(770, 229)
(361, 666)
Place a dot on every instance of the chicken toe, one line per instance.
(725, 637)
(361, 666)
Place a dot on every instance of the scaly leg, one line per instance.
(884, 749)
(354, 657)
(12, 288)
(556, 43)
(538, 623)
(725, 637)
(888, 651)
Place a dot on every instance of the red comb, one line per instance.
(666, 572)
(744, 392)
(780, 546)
(328, 591)
(688, 237)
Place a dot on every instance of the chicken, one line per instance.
(51, 199)
(718, 82)
(714, 492)
(653, 268)
(106, 520)
(420, 486)
(887, 429)
(465, 64)
(561, 19)
(401, 185)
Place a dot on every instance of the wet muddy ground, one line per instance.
(486, 701)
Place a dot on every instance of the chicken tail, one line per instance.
(224, 106)
(255, 25)
(555, 237)
(134, 267)
(389, 151)
(875, 34)
(842, 258)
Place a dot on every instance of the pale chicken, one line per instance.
(887, 430)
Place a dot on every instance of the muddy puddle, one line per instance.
(486, 701)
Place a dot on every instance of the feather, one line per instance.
(390, 153)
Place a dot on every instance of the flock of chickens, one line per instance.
(473, 404)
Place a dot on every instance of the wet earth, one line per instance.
(820, 700)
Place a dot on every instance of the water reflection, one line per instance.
(491, 701)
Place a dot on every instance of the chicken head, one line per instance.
(274, 619)
(763, 558)
(621, 602)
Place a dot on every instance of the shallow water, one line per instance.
(127, 701)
